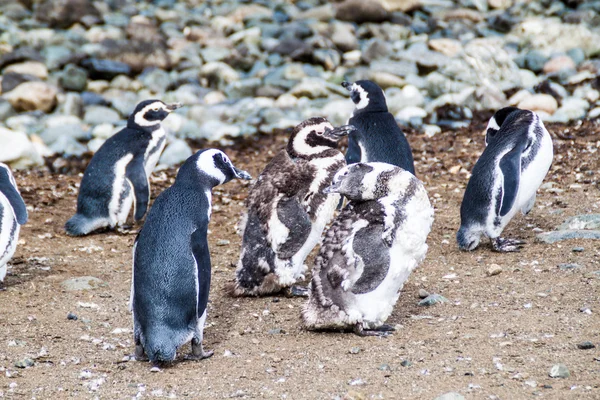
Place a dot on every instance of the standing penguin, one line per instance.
(118, 174)
(505, 178)
(13, 214)
(287, 211)
(370, 249)
(171, 261)
(377, 137)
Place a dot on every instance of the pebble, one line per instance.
(423, 293)
(72, 317)
(82, 283)
(585, 345)
(32, 96)
(24, 363)
(450, 396)
(577, 249)
(569, 266)
(559, 371)
(432, 299)
(493, 269)
(354, 350)
(539, 102)
(405, 363)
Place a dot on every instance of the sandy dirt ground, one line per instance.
(496, 338)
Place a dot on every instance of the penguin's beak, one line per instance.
(347, 85)
(241, 174)
(339, 132)
(333, 188)
(174, 106)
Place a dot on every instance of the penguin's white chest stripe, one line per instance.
(9, 232)
(322, 173)
(363, 153)
(119, 182)
(208, 194)
(154, 149)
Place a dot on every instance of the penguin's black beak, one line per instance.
(241, 174)
(174, 106)
(347, 85)
(339, 132)
(333, 188)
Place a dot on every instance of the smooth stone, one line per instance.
(432, 299)
(72, 317)
(518, 97)
(104, 131)
(360, 11)
(343, 36)
(446, 46)
(218, 74)
(323, 13)
(557, 236)
(27, 123)
(569, 266)
(217, 130)
(336, 111)
(500, 4)
(31, 96)
(95, 144)
(571, 109)
(559, 371)
(494, 269)
(156, 80)
(583, 221)
(33, 68)
(67, 146)
(176, 152)
(6, 110)
(423, 293)
(374, 49)
(11, 80)
(73, 78)
(243, 88)
(95, 115)
(105, 69)
(62, 14)
(409, 96)
(577, 55)
(431, 130)
(535, 60)
(330, 59)
(82, 283)
(450, 396)
(24, 363)
(312, 88)
(577, 249)
(539, 102)
(398, 68)
(211, 54)
(409, 114)
(558, 63)
(17, 150)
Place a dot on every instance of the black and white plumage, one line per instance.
(171, 261)
(505, 178)
(377, 137)
(370, 249)
(13, 214)
(287, 211)
(117, 176)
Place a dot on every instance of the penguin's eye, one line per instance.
(155, 109)
(319, 132)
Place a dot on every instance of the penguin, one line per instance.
(377, 137)
(13, 214)
(171, 261)
(287, 211)
(118, 174)
(505, 178)
(369, 251)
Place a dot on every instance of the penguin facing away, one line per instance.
(377, 137)
(505, 178)
(171, 261)
(370, 250)
(13, 214)
(117, 176)
(287, 211)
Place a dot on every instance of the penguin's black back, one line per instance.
(165, 300)
(478, 194)
(97, 182)
(382, 139)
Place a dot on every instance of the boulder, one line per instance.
(31, 96)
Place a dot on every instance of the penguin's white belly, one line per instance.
(154, 150)
(9, 234)
(533, 176)
(122, 193)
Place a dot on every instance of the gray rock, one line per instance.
(64, 13)
(96, 115)
(243, 88)
(343, 35)
(82, 283)
(330, 59)
(24, 363)
(16, 149)
(55, 132)
(312, 88)
(122, 101)
(398, 68)
(105, 69)
(72, 317)
(31, 96)
(156, 80)
(6, 110)
(450, 396)
(73, 78)
(586, 345)
(557, 236)
(211, 54)
(423, 293)
(569, 266)
(559, 371)
(217, 130)
(583, 221)
(71, 104)
(577, 55)
(175, 153)
(68, 146)
(405, 363)
(433, 299)
(577, 249)
(535, 60)
(374, 49)
(360, 11)
(57, 56)
(11, 80)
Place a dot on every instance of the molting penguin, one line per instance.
(370, 249)
(117, 175)
(171, 261)
(13, 214)
(505, 178)
(377, 137)
(287, 211)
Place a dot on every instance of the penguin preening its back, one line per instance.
(287, 211)
(117, 176)
(370, 249)
(171, 260)
(505, 178)
(13, 214)
(377, 137)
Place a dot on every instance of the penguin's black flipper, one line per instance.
(353, 152)
(510, 165)
(375, 256)
(136, 174)
(293, 216)
(13, 197)
(202, 257)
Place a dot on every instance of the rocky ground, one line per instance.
(510, 320)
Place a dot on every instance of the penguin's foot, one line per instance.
(381, 331)
(198, 352)
(502, 245)
(140, 354)
(297, 291)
